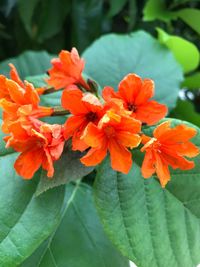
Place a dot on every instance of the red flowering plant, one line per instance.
(120, 135)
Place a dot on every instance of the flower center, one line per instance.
(131, 107)
(109, 131)
(91, 116)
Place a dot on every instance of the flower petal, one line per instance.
(16, 92)
(15, 76)
(121, 158)
(162, 170)
(93, 136)
(187, 149)
(92, 103)
(108, 93)
(180, 133)
(94, 156)
(72, 100)
(26, 166)
(129, 87)
(129, 124)
(151, 112)
(148, 167)
(128, 139)
(73, 124)
(161, 129)
(146, 92)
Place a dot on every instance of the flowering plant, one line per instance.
(119, 135)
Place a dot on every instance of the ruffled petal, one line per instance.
(93, 136)
(146, 92)
(47, 164)
(161, 129)
(108, 93)
(72, 100)
(130, 87)
(15, 76)
(121, 158)
(187, 149)
(31, 96)
(129, 124)
(175, 160)
(26, 166)
(78, 143)
(92, 103)
(94, 156)
(128, 139)
(180, 133)
(148, 165)
(162, 170)
(16, 92)
(151, 112)
(73, 124)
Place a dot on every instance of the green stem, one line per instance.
(59, 111)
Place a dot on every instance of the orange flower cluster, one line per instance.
(39, 143)
(168, 148)
(96, 125)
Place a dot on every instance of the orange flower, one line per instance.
(115, 134)
(67, 70)
(39, 147)
(136, 95)
(85, 108)
(168, 148)
(18, 99)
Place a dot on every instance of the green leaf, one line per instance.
(118, 55)
(52, 17)
(25, 221)
(181, 49)
(192, 81)
(79, 239)
(150, 225)
(28, 63)
(191, 17)
(156, 9)
(40, 25)
(6, 6)
(26, 12)
(67, 168)
(116, 6)
(185, 111)
(83, 15)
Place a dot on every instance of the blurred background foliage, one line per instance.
(53, 25)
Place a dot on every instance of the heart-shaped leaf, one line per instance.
(79, 239)
(150, 225)
(25, 221)
(113, 56)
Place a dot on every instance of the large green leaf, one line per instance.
(115, 7)
(182, 50)
(84, 14)
(150, 225)
(25, 221)
(192, 82)
(156, 9)
(6, 6)
(79, 239)
(40, 25)
(28, 63)
(191, 16)
(26, 12)
(113, 56)
(67, 168)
